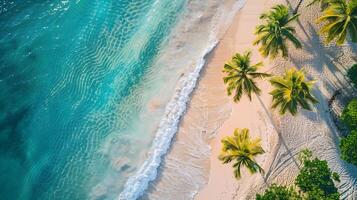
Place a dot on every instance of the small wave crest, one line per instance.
(139, 182)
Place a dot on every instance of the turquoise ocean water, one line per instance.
(92, 91)
(71, 79)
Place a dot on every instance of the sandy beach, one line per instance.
(125, 99)
(245, 114)
(192, 163)
(282, 141)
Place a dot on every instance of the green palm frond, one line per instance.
(241, 150)
(275, 32)
(291, 91)
(240, 76)
(340, 20)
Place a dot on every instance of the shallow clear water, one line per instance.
(75, 81)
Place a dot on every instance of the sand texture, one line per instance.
(283, 137)
(192, 164)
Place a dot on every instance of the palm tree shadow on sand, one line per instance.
(326, 60)
(281, 141)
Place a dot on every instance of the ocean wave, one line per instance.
(139, 182)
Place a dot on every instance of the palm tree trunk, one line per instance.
(268, 114)
(282, 141)
(298, 6)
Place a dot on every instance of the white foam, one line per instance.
(138, 183)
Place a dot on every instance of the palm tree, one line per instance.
(240, 76)
(240, 149)
(273, 35)
(340, 18)
(298, 6)
(292, 90)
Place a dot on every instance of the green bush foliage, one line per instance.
(315, 180)
(349, 115)
(348, 147)
(352, 74)
(275, 192)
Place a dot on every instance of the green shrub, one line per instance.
(349, 115)
(275, 192)
(318, 194)
(305, 154)
(352, 74)
(315, 180)
(348, 147)
(336, 177)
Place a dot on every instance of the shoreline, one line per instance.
(212, 20)
(191, 163)
(239, 38)
(190, 149)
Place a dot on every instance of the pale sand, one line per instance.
(185, 168)
(192, 164)
(314, 130)
(245, 114)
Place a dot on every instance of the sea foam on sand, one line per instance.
(211, 24)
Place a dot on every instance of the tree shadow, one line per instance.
(322, 59)
(325, 116)
(291, 7)
(283, 142)
(353, 48)
(326, 59)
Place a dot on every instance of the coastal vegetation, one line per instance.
(291, 91)
(315, 178)
(348, 147)
(348, 144)
(352, 74)
(315, 181)
(241, 76)
(349, 115)
(272, 36)
(340, 19)
(278, 192)
(241, 150)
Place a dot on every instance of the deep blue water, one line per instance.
(68, 70)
